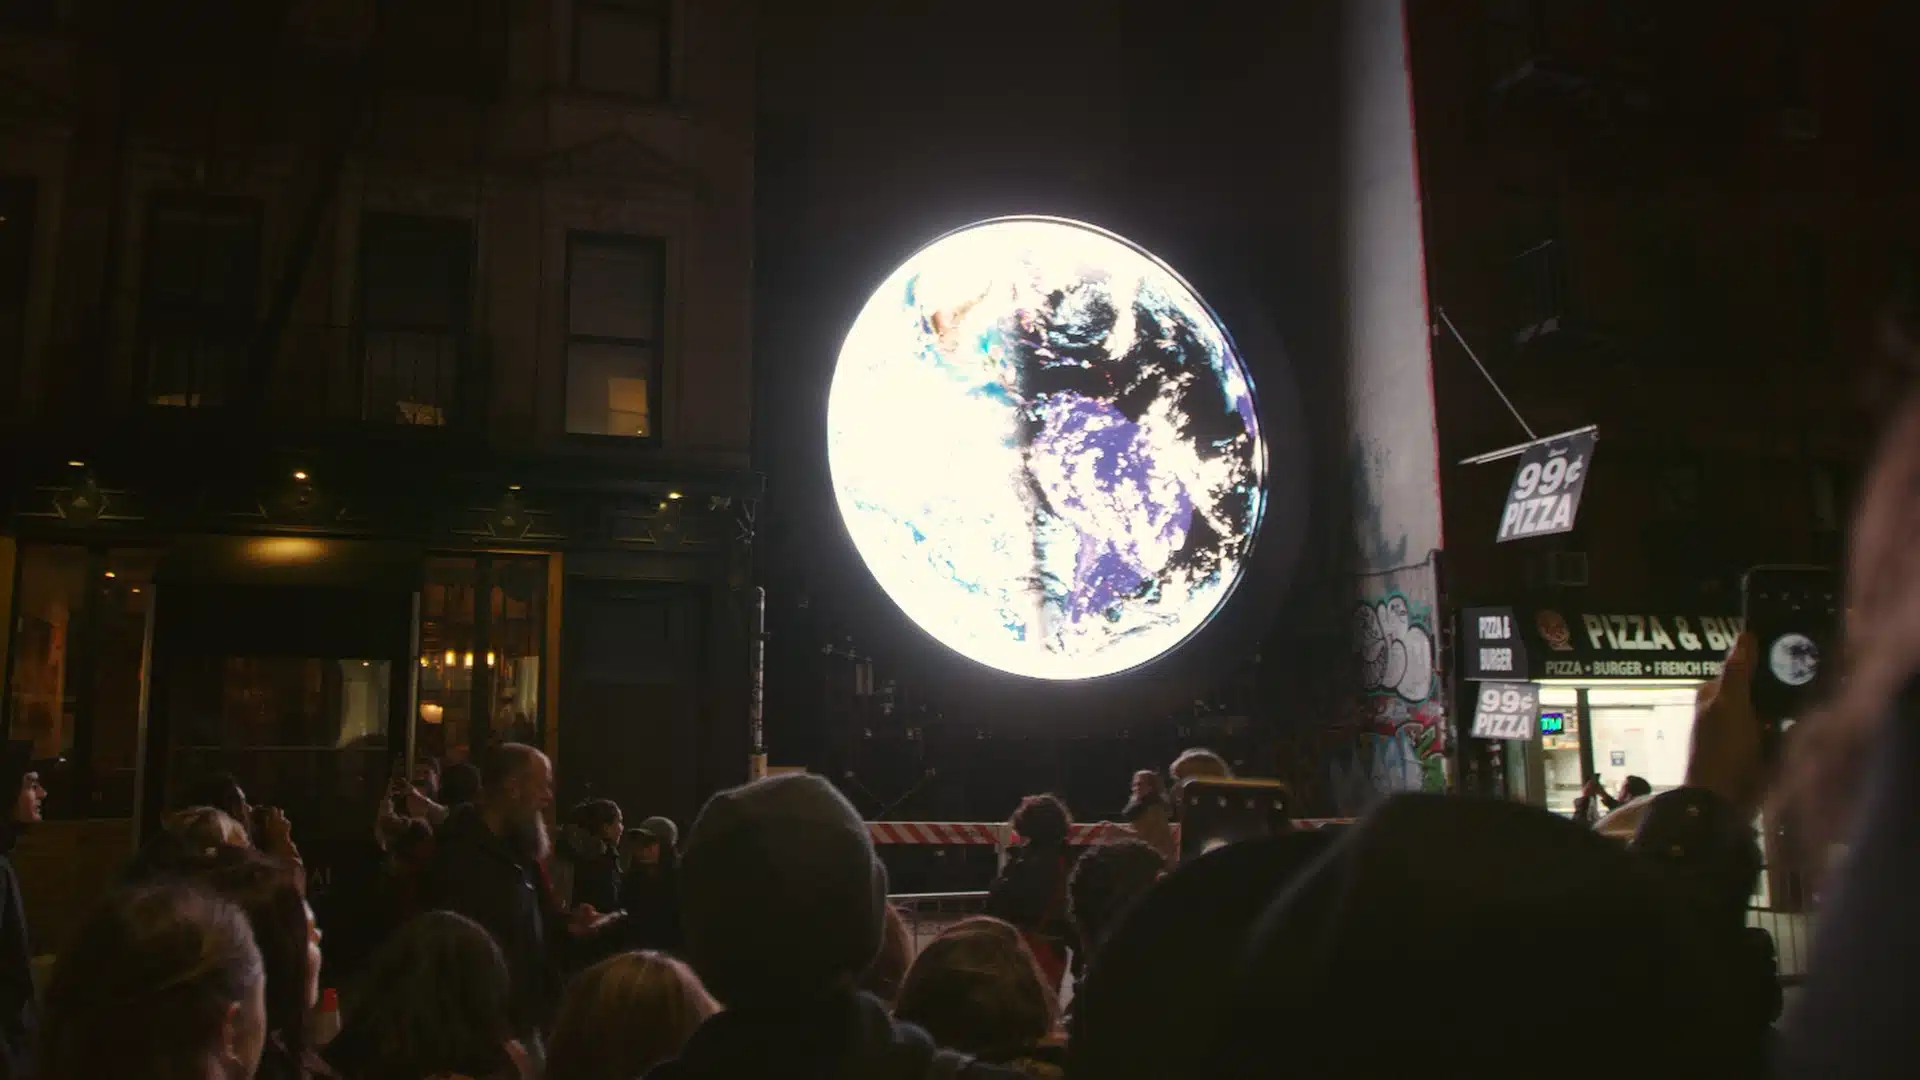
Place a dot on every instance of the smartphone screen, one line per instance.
(1793, 613)
(1216, 812)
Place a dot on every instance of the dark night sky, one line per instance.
(1207, 140)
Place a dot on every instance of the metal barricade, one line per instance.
(927, 914)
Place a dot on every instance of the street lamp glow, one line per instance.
(1045, 448)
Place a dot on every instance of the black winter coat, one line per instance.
(477, 874)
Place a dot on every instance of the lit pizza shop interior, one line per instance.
(1632, 728)
(1617, 695)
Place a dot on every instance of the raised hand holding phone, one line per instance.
(1726, 757)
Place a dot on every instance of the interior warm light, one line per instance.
(489, 659)
(1058, 514)
(431, 712)
(285, 549)
(513, 487)
(110, 573)
(673, 494)
(76, 464)
(468, 660)
(299, 474)
(423, 661)
(452, 658)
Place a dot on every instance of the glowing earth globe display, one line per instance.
(1045, 448)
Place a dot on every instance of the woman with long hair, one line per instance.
(161, 982)
(268, 890)
(435, 1003)
(624, 1015)
(978, 989)
(1031, 892)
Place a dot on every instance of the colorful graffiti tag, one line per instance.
(1399, 735)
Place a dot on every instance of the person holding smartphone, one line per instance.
(1633, 787)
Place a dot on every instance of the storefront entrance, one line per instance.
(1617, 693)
(1612, 731)
(287, 663)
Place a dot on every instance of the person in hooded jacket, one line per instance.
(19, 1011)
(784, 904)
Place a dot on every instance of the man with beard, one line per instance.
(19, 1015)
(487, 867)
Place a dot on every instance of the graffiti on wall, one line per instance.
(1398, 731)
(1395, 643)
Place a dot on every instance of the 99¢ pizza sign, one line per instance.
(1506, 711)
(1545, 495)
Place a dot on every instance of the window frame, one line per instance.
(657, 246)
(79, 773)
(481, 573)
(153, 319)
(460, 329)
(669, 26)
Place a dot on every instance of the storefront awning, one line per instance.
(1504, 643)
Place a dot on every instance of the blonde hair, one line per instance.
(1200, 762)
(978, 989)
(624, 1015)
(203, 829)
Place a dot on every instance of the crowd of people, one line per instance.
(765, 945)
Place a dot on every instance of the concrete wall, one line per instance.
(1403, 734)
(1365, 630)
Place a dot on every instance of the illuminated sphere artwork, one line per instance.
(1045, 448)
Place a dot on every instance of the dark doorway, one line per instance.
(300, 692)
(630, 679)
(288, 662)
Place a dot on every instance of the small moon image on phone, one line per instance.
(1794, 659)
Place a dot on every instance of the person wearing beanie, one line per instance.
(784, 905)
(649, 890)
(19, 1011)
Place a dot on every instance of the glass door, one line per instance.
(483, 626)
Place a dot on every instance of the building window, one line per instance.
(415, 273)
(198, 299)
(78, 671)
(16, 275)
(615, 297)
(480, 664)
(621, 47)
